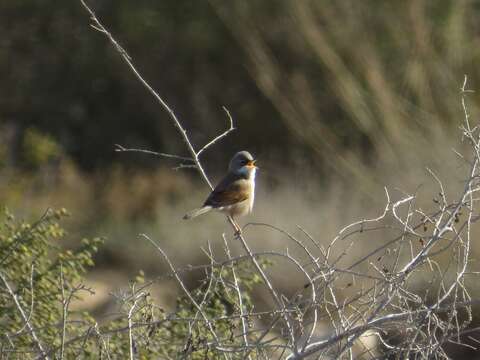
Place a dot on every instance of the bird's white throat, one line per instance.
(252, 181)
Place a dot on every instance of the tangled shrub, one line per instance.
(39, 280)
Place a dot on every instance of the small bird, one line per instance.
(234, 195)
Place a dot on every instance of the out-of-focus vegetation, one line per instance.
(361, 82)
(61, 78)
(336, 98)
(348, 84)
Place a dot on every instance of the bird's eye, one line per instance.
(243, 162)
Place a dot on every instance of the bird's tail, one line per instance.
(197, 212)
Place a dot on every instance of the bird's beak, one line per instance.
(251, 164)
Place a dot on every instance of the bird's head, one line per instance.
(243, 163)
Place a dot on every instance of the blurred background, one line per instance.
(336, 99)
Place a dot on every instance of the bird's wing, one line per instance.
(229, 191)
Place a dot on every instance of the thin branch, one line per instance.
(120, 148)
(239, 296)
(221, 136)
(131, 342)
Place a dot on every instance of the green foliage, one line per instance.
(40, 279)
(39, 148)
(42, 276)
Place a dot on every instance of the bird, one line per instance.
(235, 193)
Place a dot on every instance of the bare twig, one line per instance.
(239, 296)
(131, 311)
(120, 148)
(221, 136)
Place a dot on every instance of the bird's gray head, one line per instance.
(242, 163)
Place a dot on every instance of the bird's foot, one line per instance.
(238, 232)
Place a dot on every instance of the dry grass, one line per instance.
(361, 84)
